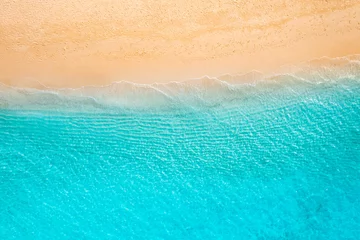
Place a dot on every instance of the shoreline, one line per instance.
(342, 73)
(54, 52)
(254, 76)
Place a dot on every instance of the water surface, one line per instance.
(279, 159)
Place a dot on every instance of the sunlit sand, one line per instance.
(96, 42)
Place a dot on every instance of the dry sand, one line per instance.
(72, 43)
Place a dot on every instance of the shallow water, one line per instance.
(279, 159)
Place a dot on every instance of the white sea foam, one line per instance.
(194, 93)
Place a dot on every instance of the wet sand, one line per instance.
(96, 42)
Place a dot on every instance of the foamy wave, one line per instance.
(202, 92)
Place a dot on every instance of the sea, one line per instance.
(234, 157)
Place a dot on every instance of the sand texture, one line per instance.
(73, 43)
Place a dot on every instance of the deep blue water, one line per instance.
(281, 162)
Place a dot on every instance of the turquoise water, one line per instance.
(279, 159)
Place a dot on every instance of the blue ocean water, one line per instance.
(279, 159)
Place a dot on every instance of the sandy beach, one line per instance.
(96, 42)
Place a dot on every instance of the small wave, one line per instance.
(190, 94)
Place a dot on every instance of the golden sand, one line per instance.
(72, 43)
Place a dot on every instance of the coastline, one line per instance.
(168, 43)
(293, 81)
